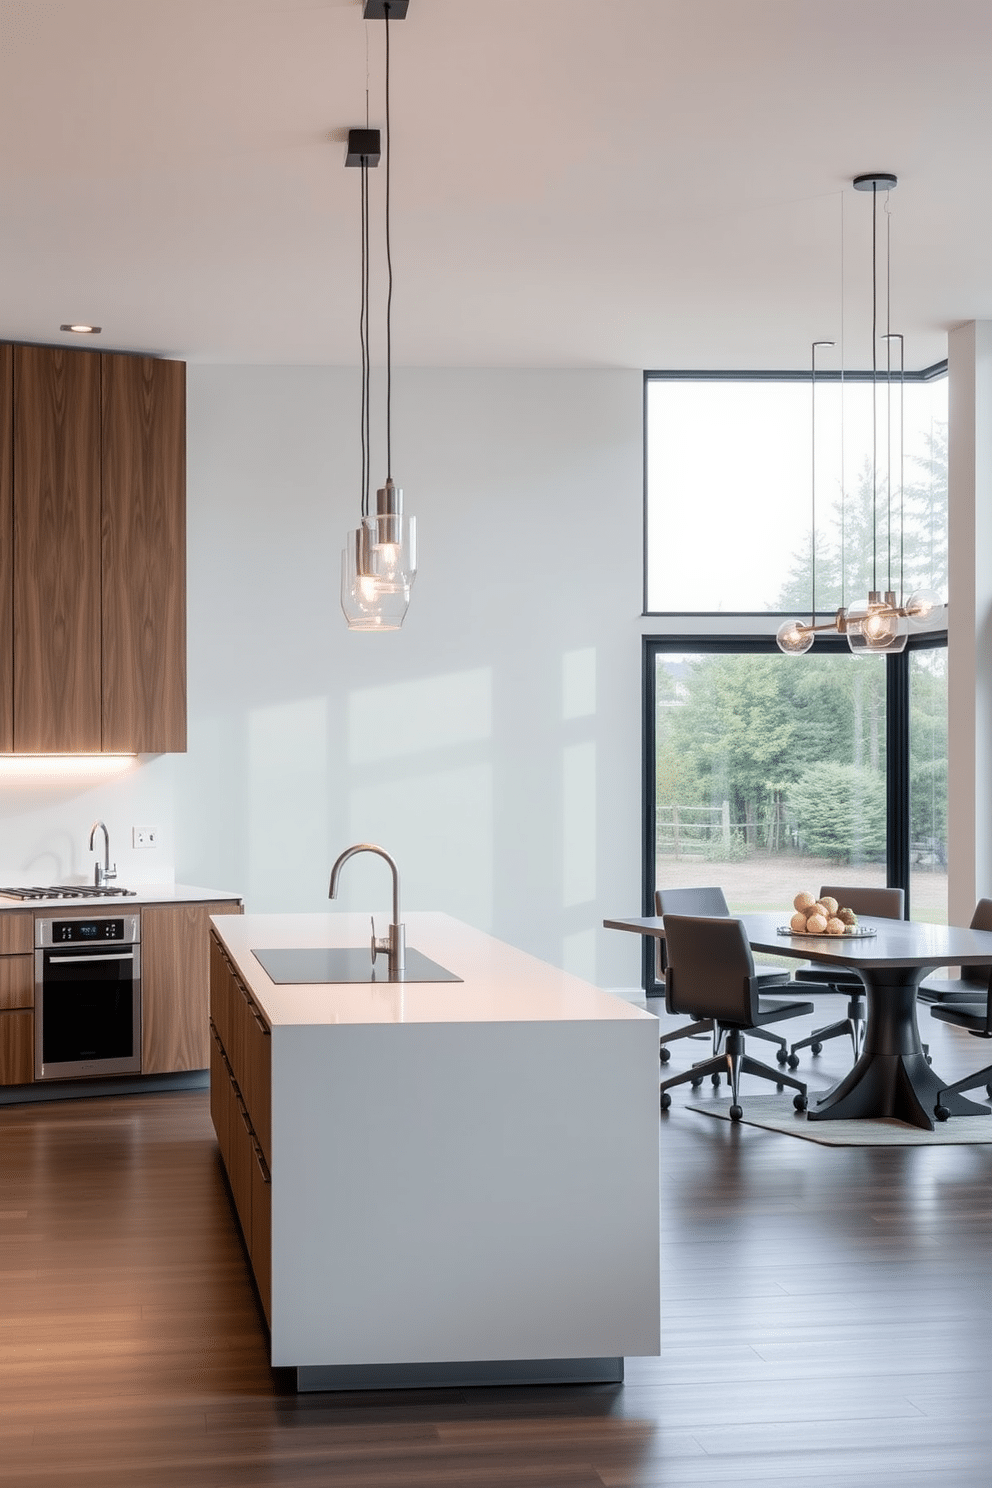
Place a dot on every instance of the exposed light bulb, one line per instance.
(922, 606)
(794, 638)
(873, 626)
(369, 602)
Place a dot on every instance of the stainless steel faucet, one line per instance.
(393, 944)
(105, 871)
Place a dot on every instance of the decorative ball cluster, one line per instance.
(820, 916)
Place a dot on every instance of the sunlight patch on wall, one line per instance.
(578, 683)
(287, 773)
(430, 713)
(578, 823)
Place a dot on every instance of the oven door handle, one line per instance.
(109, 956)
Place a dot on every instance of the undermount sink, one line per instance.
(304, 965)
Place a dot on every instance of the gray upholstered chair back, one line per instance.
(690, 902)
(886, 904)
(685, 902)
(710, 969)
(980, 920)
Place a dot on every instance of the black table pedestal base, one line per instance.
(891, 1078)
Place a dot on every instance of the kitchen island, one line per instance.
(439, 1183)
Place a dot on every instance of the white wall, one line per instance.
(492, 745)
(969, 649)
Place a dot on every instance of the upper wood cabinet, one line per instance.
(6, 548)
(144, 554)
(97, 589)
(57, 583)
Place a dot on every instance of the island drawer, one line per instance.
(244, 1162)
(246, 1041)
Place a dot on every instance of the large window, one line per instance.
(770, 774)
(773, 772)
(765, 773)
(729, 483)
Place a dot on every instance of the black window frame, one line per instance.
(897, 747)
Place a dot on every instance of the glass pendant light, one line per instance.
(922, 606)
(880, 623)
(794, 637)
(874, 625)
(379, 561)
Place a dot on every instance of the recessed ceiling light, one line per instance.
(82, 330)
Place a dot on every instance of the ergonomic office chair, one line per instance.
(711, 977)
(972, 984)
(708, 901)
(976, 1017)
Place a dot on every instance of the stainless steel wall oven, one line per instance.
(87, 988)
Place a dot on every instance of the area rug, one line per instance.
(776, 1113)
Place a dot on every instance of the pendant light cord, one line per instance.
(843, 466)
(812, 484)
(363, 336)
(874, 385)
(902, 469)
(389, 277)
(888, 386)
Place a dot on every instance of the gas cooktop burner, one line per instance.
(68, 891)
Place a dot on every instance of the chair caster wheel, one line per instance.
(988, 1091)
(780, 1087)
(665, 1054)
(714, 1079)
(736, 1112)
(666, 1100)
(793, 1061)
(816, 1048)
(800, 1102)
(695, 1084)
(941, 1113)
(928, 1058)
(781, 1056)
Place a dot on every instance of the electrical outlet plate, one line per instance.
(144, 836)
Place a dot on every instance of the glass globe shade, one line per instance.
(922, 606)
(794, 638)
(873, 628)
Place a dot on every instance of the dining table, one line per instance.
(892, 1078)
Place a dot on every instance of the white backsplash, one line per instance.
(46, 820)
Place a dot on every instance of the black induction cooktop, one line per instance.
(337, 964)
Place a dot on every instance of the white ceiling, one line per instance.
(587, 183)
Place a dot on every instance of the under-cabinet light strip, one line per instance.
(33, 766)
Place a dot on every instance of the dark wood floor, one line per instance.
(826, 1319)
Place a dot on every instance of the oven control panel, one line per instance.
(123, 929)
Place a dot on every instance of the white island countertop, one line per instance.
(500, 984)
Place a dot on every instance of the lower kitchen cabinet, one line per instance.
(240, 1106)
(16, 981)
(16, 1047)
(175, 985)
(16, 999)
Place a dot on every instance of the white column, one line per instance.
(969, 618)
